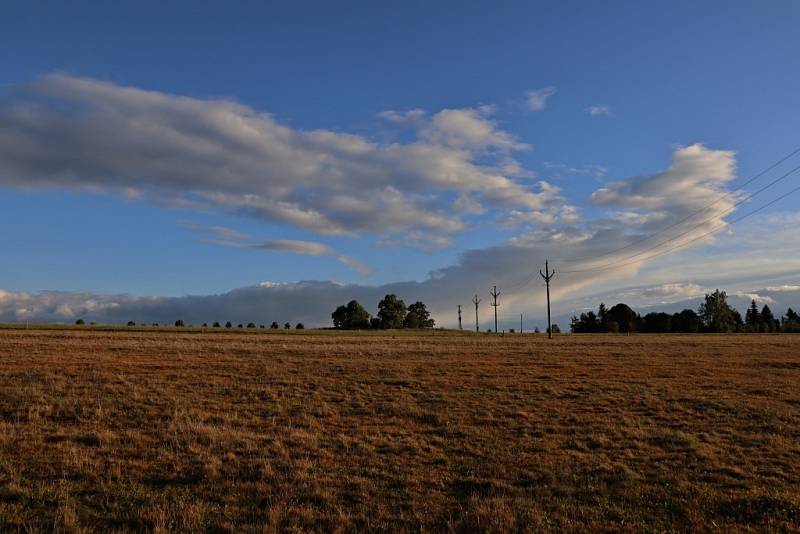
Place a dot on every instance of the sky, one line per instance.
(270, 160)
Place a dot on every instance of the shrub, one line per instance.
(80, 322)
(274, 325)
(228, 325)
(179, 323)
(131, 323)
(299, 326)
(216, 324)
(251, 325)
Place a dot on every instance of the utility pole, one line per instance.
(476, 301)
(459, 317)
(520, 323)
(547, 275)
(494, 293)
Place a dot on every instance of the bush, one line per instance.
(240, 325)
(216, 324)
(299, 326)
(131, 323)
(287, 326)
(251, 325)
(274, 325)
(179, 323)
(80, 322)
(228, 325)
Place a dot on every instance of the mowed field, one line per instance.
(322, 431)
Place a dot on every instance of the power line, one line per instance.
(676, 247)
(692, 214)
(698, 225)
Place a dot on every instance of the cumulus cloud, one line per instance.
(537, 100)
(66, 132)
(601, 110)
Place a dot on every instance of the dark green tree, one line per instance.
(657, 323)
(179, 323)
(251, 325)
(274, 325)
(418, 316)
(716, 314)
(392, 311)
(80, 322)
(752, 318)
(351, 316)
(624, 316)
(300, 326)
(767, 319)
(228, 325)
(602, 316)
(686, 321)
(587, 323)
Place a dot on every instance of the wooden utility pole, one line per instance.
(476, 301)
(520, 323)
(547, 275)
(459, 317)
(494, 293)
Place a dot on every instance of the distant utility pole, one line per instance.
(494, 293)
(520, 323)
(476, 301)
(547, 275)
(459, 317)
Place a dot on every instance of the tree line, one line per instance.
(392, 313)
(713, 315)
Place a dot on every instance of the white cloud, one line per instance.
(537, 100)
(65, 132)
(601, 110)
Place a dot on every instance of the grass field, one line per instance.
(167, 431)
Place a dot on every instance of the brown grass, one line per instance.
(159, 431)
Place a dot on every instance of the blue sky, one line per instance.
(721, 75)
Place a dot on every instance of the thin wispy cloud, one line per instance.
(537, 100)
(601, 110)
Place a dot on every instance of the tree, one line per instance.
(240, 325)
(216, 324)
(624, 316)
(228, 325)
(790, 322)
(556, 329)
(602, 317)
(752, 318)
(251, 325)
(767, 319)
(392, 311)
(299, 326)
(657, 323)
(339, 317)
(716, 314)
(287, 326)
(588, 323)
(179, 323)
(375, 323)
(80, 322)
(131, 323)
(418, 316)
(351, 316)
(205, 325)
(685, 321)
(274, 325)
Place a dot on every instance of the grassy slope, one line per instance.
(217, 431)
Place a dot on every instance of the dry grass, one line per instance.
(105, 431)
